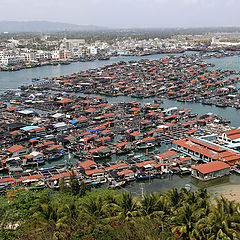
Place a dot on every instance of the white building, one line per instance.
(71, 44)
(232, 136)
(56, 54)
(93, 50)
(216, 41)
(11, 60)
(28, 56)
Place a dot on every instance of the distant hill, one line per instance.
(44, 26)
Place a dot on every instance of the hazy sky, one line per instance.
(126, 13)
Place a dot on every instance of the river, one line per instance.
(12, 80)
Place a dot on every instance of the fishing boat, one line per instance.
(91, 183)
(175, 170)
(144, 176)
(159, 101)
(185, 171)
(143, 146)
(207, 103)
(102, 58)
(221, 104)
(101, 156)
(123, 151)
(55, 156)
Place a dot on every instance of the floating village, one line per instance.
(55, 126)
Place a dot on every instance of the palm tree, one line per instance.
(174, 198)
(183, 220)
(49, 217)
(127, 207)
(94, 207)
(192, 207)
(224, 216)
(153, 205)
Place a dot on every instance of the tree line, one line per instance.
(76, 212)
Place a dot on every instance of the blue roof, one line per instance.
(28, 128)
(35, 138)
(74, 121)
(90, 130)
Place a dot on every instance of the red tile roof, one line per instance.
(15, 148)
(208, 145)
(166, 154)
(65, 100)
(37, 129)
(115, 166)
(36, 176)
(211, 167)
(82, 119)
(103, 139)
(122, 144)
(9, 179)
(90, 110)
(97, 149)
(234, 136)
(124, 172)
(142, 164)
(54, 147)
(12, 108)
(87, 164)
(204, 148)
(160, 164)
(91, 172)
(232, 132)
(134, 134)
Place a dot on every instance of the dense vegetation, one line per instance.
(110, 35)
(76, 213)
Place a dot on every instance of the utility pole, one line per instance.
(142, 189)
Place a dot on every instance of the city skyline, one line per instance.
(126, 14)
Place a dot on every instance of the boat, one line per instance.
(207, 103)
(185, 171)
(145, 146)
(159, 101)
(144, 176)
(99, 157)
(101, 58)
(221, 104)
(122, 152)
(116, 184)
(91, 183)
(55, 157)
(175, 170)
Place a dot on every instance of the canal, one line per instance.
(229, 185)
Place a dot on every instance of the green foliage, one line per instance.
(83, 189)
(75, 213)
(74, 184)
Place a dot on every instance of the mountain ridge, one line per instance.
(44, 26)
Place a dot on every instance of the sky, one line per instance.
(126, 13)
